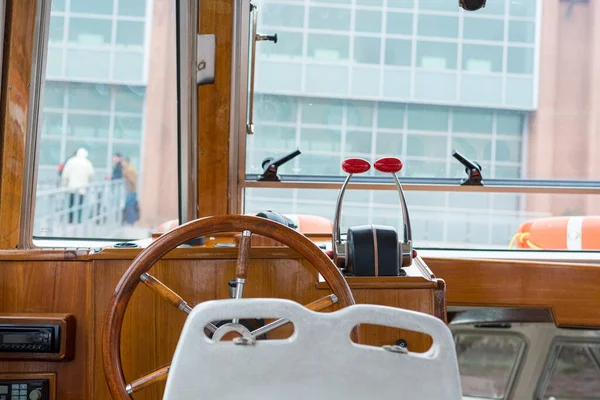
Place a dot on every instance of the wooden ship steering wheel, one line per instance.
(138, 272)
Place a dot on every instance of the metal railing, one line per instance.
(97, 213)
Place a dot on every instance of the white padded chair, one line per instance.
(319, 360)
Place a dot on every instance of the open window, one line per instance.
(107, 144)
(417, 80)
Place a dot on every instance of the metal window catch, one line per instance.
(270, 166)
(473, 170)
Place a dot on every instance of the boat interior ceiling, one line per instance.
(417, 179)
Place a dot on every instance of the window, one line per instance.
(417, 80)
(572, 371)
(487, 363)
(108, 130)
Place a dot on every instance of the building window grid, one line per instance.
(110, 48)
(343, 127)
(383, 36)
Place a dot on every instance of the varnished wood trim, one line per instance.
(42, 255)
(66, 322)
(387, 282)
(51, 377)
(14, 110)
(569, 290)
(216, 17)
(439, 297)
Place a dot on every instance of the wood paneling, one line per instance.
(216, 17)
(569, 290)
(14, 107)
(51, 287)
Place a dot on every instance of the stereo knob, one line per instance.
(35, 395)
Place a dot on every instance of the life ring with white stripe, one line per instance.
(559, 233)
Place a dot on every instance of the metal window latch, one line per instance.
(473, 170)
(270, 166)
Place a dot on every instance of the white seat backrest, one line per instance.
(319, 360)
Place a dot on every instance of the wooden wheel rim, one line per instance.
(111, 334)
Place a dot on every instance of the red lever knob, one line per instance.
(388, 164)
(356, 165)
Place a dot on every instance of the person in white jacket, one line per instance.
(76, 176)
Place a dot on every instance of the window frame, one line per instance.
(519, 361)
(186, 26)
(552, 358)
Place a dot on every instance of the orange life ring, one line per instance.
(559, 233)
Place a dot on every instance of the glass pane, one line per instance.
(87, 126)
(484, 59)
(132, 8)
(329, 18)
(360, 114)
(128, 128)
(366, 50)
(399, 23)
(438, 5)
(275, 108)
(368, 21)
(274, 14)
(358, 142)
(521, 31)
(92, 7)
(575, 372)
(390, 116)
(54, 95)
(89, 97)
(130, 34)
(426, 146)
(52, 125)
(438, 26)
(522, 8)
(107, 148)
(328, 47)
(427, 118)
(519, 60)
(57, 30)
(318, 111)
(473, 121)
(90, 32)
(486, 363)
(483, 29)
(436, 55)
(398, 52)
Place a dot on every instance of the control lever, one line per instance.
(473, 170)
(394, 165)
(270, 166)
(350, 166)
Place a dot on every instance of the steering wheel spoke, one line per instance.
(241, 269)
(166, 293)
(148, 380)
